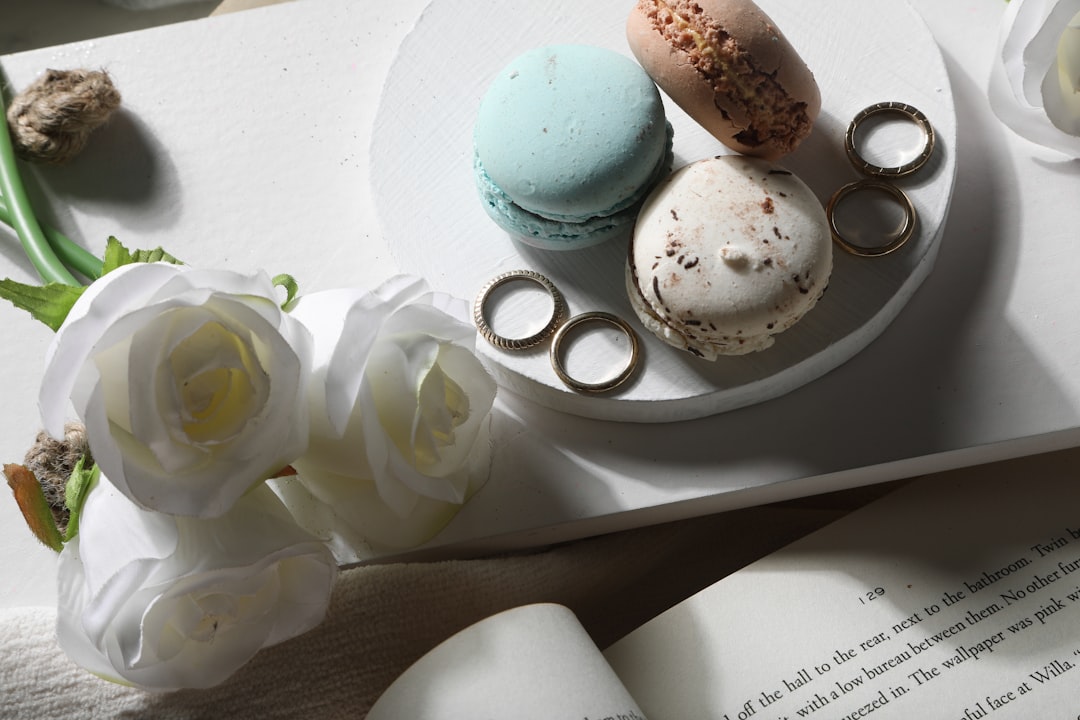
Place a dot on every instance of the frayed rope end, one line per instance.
(52, 119)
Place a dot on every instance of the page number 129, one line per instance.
(872, 595)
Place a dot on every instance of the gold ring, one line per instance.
(558, 363)
(898, 108)
(558, 310)
(869, 184)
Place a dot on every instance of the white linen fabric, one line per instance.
(384, 617)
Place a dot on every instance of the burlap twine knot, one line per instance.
(52, 460)
(53, 117)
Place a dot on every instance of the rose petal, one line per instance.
(72, 596)
(479, 390)
(1061, 99)
(402, 424)
(356, 521)
(331, 317)
(191, 618)
(1069, 56)
(1018, 90)
(362, 322)
(145, 535)
(145, 432)
(101, 304)
(397, 495)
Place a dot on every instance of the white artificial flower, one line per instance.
(400, 407)
(191, 383)
(1035, 82)
(166, 602)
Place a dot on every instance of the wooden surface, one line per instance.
(688, 573)
(434, 224)
(270, 168)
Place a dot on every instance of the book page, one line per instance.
(956, 597)
(534, 662)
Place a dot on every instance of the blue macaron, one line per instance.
(568, 141)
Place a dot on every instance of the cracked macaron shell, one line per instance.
(728, 65)
(726, 253)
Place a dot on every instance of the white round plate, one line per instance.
(861, 52)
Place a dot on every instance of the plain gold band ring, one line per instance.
(896, 193)
(898, 108)
(559, 364)
(558, 310)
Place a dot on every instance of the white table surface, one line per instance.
(244, 143)
(437, 229)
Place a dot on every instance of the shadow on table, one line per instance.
(123, 171)
(915, 393)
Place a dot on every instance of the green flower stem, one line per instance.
(33, 240)
(70, 253)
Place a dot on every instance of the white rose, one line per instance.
(400, 407)
(191, 383)
(1035, 82)
(166, 602)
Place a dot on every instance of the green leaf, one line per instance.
(155, 255)
(78, 487)
(288, 282)
(116, 255)
(33, 505)
(49, 303)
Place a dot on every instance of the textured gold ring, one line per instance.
(896, 108)
(558, 310)
(559, 364)
(894, 192)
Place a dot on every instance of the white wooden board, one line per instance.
(245, 143)
(434, 224)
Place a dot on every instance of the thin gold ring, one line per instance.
(898, 108)
(559, 365)
(558, 310)
(896, 193)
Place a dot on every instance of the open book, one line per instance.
(955, 597)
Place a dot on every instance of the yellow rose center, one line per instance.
(443, 407)
(1068, 66)
(216, 614)
(212, 370)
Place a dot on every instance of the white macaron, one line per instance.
(726, 253)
